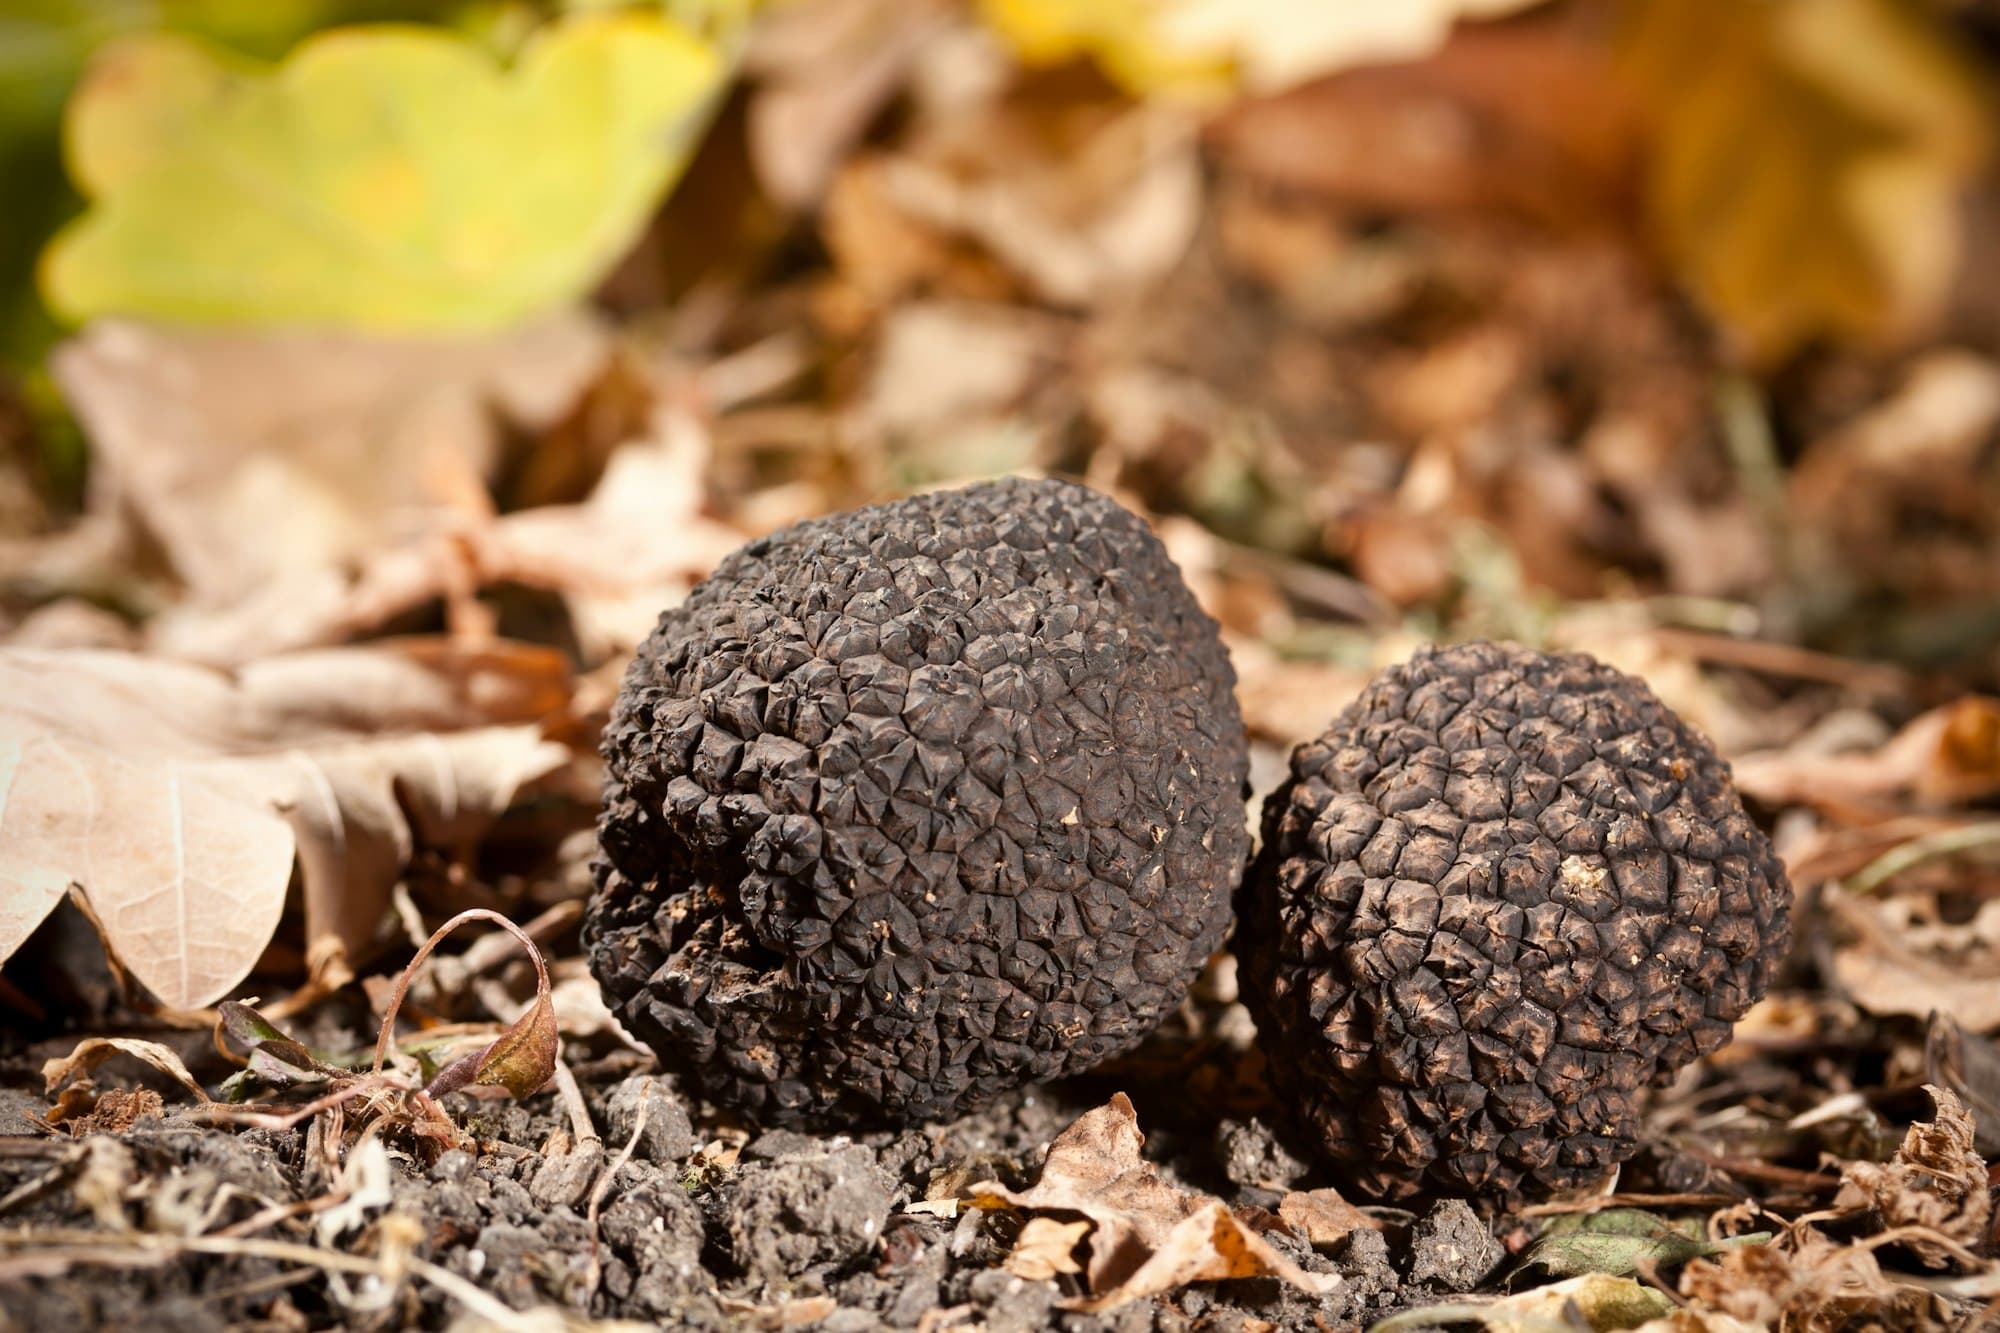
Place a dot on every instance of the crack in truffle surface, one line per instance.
(1500, 895)
(908, 806)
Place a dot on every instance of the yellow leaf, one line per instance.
(1808, 155)
(1209, 47)
(382, 177)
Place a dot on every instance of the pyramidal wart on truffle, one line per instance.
(908, 806)
(1500, 895)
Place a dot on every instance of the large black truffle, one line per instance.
(1502, 893)
(908, 806)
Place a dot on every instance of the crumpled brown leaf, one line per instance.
(1321, 1217)
(176, 796)
(1814, 1286)
(1935, 1181)
(1148, 1235)
(1946, 757)
(254, 459)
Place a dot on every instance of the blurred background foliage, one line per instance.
(1462, 302)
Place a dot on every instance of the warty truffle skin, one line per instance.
(908, 806)
(1500, 895)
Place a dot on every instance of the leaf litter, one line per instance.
(1387, 346)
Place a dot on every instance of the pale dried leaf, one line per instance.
(1321, 1217)
(94, 1051)
(1045, 1249)
(1148, 1235)
(1819, 1287)
(1894, 966)
(1595, 1301)
(1107, 216)
(822, 72)
(257, 459)
(175, 796)
(1210, 1244)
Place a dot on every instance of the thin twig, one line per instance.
(146, 1247)
(603, 1185)
(580, 1128)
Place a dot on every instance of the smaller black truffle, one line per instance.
(1503, 893)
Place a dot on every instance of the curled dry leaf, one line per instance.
(522, 1058)
(265, 1049)
(94, 1051)
(1147, 1235)
(1934, 1181)
(175, 797)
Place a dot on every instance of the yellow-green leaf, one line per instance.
(1807, 159)
(381, 177)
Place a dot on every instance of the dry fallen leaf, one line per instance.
(821, 72)
(1045, 1248)
(1104, 208)
(634, 548)
(1147, 1234)
(1946, 757)
(1808, 159)
(1814, 1285)
(1321, 1217)
(94, 1051)
(1935, 1181)
(1595, 1301)
(1969, 1066)
(1894, 963)
(175, 796)
(257, 459)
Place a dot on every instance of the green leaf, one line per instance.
(384, 178)
(265, 1050)
(1619, 1241)
(521, 1059)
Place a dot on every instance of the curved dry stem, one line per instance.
(437, 936)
